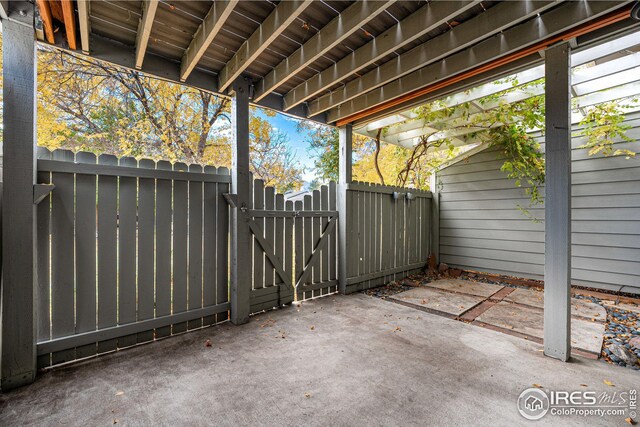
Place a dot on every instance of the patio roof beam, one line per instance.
(515, 43)
(282, 16)
(83, 20)
(485, 25)
(206, 32)
(557, 247)
(346, 23)
(419, 23)
(149, 8)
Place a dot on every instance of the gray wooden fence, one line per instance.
(388, 233)
(131, 251)
(128, 252)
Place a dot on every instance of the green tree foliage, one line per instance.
(324, 145)
(93, 106)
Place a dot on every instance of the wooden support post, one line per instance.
(344, 178)
(241, 187)
(434, 244)
(557, 247)
(18, 210)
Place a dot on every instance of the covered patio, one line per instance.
(180, 266)
(340, 360)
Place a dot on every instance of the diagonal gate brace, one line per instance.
(40, 191)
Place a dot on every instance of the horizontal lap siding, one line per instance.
(481, 227)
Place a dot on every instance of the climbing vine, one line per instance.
(507, 120)
(602, 126)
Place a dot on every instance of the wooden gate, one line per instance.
(294, 246)
(128, 251)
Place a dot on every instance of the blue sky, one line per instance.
(297, 142)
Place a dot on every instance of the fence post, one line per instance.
(241, 187)
(18, 209)
(344, 178)
(557, 247)
(434, 247)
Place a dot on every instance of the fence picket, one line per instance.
(195, 245)
(258, 255)
(179, 251)
(269, 229)
(324, 260)
(85, 236)
(107, 252)
(63, 286)
(210, 245)
(163, 248)
(288, 244)
(43, 305)
(146, 247)
(222, 282)
(308, 236)
(127, 225)
(299, 246)
(279, 235)
(315, 205)
(333, 242)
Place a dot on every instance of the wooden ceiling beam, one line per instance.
(210, 27)
(69, 16)
(273, 25)
(83, 20)
(335, 32)
(149, 9)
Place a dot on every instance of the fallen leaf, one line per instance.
(537, 385)
(631, 421)
(119, 393)
(307, 395)
(207, 343)
(583, 385)
(609, 383)
(312, 328)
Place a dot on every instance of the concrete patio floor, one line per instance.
(339, 360)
